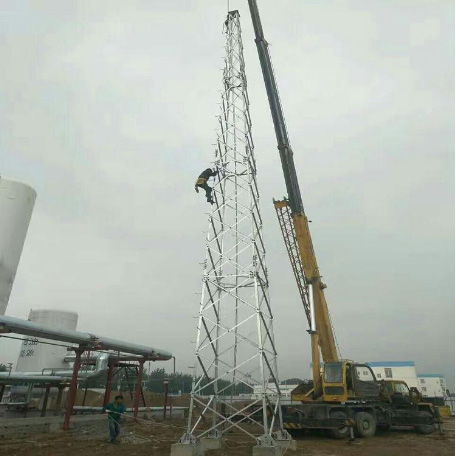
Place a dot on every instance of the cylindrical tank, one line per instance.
(16, 205)
(33, 356)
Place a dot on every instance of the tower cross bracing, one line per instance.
(236, 381)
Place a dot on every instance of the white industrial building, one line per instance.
(429, 385)
(397, 370)
(35, 356)
(432, 385)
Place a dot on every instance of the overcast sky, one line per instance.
(108, 110)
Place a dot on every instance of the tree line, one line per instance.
(178, 383)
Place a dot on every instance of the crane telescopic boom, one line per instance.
(293, 221)
(286, 153)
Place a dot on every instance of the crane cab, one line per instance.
(345, 380)
(341, 381)
(397, 391)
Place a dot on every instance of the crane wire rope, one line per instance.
(268, 48)
(335, 336)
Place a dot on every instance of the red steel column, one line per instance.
(85, 394)
(138, 388)
(58, 402)
(73, 389)
(165, 401)
(108, 389)
(45, 400)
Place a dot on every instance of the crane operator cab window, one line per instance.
(333, 380)
(400, 392)
(333, 373)
(401, 388)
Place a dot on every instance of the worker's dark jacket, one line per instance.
(207, 173)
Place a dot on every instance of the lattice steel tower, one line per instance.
(235, 348)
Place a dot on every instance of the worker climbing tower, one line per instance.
(236, 385)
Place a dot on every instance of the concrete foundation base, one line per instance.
(184, 449)
(258, 450)
(209, 444)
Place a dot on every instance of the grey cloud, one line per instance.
(109, 112)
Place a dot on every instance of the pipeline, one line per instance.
(57, 375)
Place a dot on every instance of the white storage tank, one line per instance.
(16, 205)
(34, 357)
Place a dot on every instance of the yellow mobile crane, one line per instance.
(344, 393)
(295, 225)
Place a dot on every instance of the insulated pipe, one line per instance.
(101, 366)
(22, 377)
(56, 376)
(86, 358)
(108, 388)
(84, 340)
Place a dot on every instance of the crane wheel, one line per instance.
(342, 432)
(425, 428)
(366, 424)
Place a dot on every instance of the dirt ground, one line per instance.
(156, 438)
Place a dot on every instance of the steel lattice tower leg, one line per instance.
(235, 349)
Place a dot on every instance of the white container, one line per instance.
(16, 206)
(33, 356)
